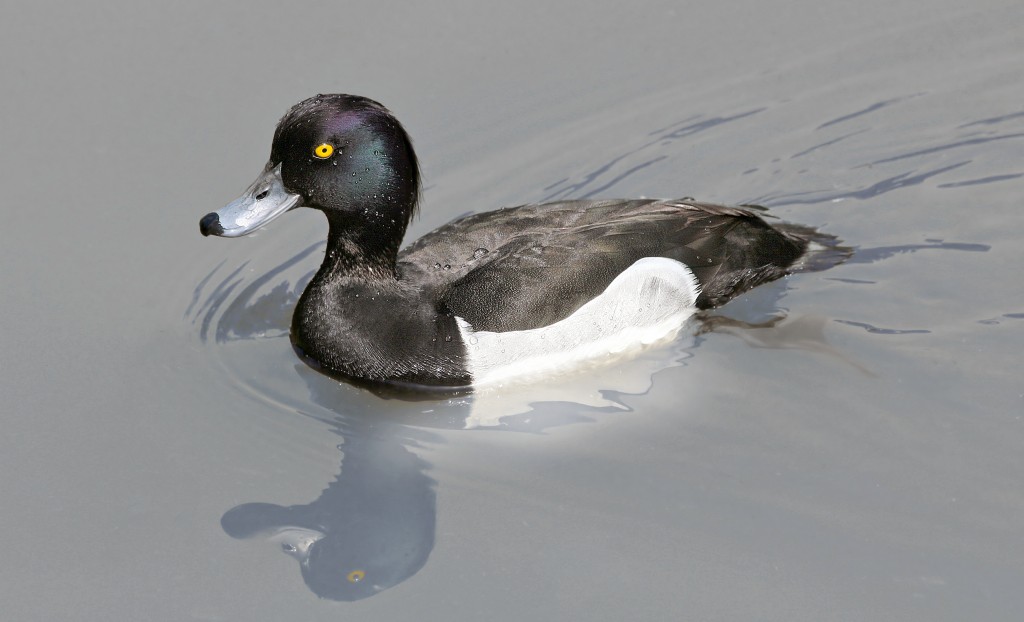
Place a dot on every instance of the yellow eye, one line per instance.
(355, 576)
(323, 150)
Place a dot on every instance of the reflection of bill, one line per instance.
(371, 529)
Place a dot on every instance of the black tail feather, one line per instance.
(824, 251)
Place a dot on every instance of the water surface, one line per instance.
(842, 445)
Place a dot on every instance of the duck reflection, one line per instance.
(370, 529)
(373, 527)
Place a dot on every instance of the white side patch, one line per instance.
(647, 303)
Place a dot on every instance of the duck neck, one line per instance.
(360, 249)
(357, 319)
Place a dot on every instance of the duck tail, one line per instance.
(822, 251)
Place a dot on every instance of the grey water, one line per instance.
(841, 445)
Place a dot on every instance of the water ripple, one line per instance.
(878, 253)
(883, 331)
(981, 181)
(954, 145)
(993, 120)
(903, 180)
(825, 144)
(564, 189)
(853, 115)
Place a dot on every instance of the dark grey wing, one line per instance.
(446, 255)
(547, 271)
(542, 262)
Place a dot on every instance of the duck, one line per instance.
(493, 297)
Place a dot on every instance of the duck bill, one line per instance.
(263, 201)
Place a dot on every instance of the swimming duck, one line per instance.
(494, 296)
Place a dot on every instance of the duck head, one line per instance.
(342, 154)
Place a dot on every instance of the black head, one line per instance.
(347, 153)
(343, 154)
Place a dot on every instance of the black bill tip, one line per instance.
(210, 224)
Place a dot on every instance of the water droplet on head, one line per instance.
(473, 340)
(480, 252)
(437, 266)
(447, 338)
(447, 267)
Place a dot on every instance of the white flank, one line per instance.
(646, 304)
